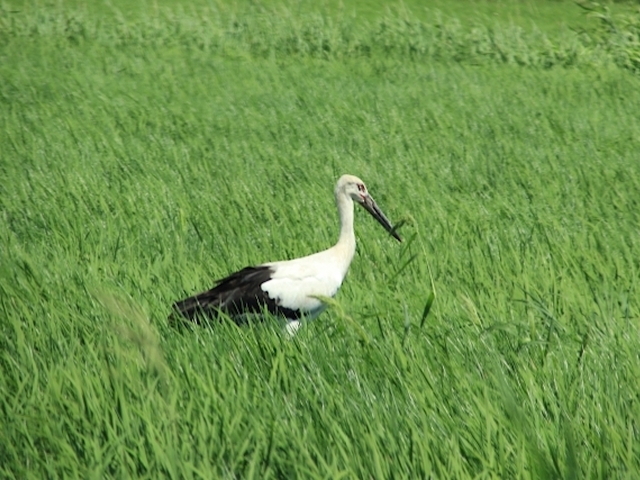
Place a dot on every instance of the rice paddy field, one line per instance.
(147, 150)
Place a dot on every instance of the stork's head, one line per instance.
(355, 189)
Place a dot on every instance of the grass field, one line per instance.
(146, 154)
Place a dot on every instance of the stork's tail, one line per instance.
(194, 308)
(234, 295)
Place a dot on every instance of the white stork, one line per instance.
(290, 288)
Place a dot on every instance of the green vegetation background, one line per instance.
(146, 151)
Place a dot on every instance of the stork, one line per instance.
(292, 288)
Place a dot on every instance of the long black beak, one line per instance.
(372, 207)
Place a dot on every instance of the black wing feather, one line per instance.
(238, 294)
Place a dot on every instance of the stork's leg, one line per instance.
(292, 327)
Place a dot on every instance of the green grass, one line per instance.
(551, 16)
(140, 161)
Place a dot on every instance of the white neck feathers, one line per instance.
(346, 246)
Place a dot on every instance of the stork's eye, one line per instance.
(361, 187)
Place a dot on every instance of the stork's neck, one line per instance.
(347, 240)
